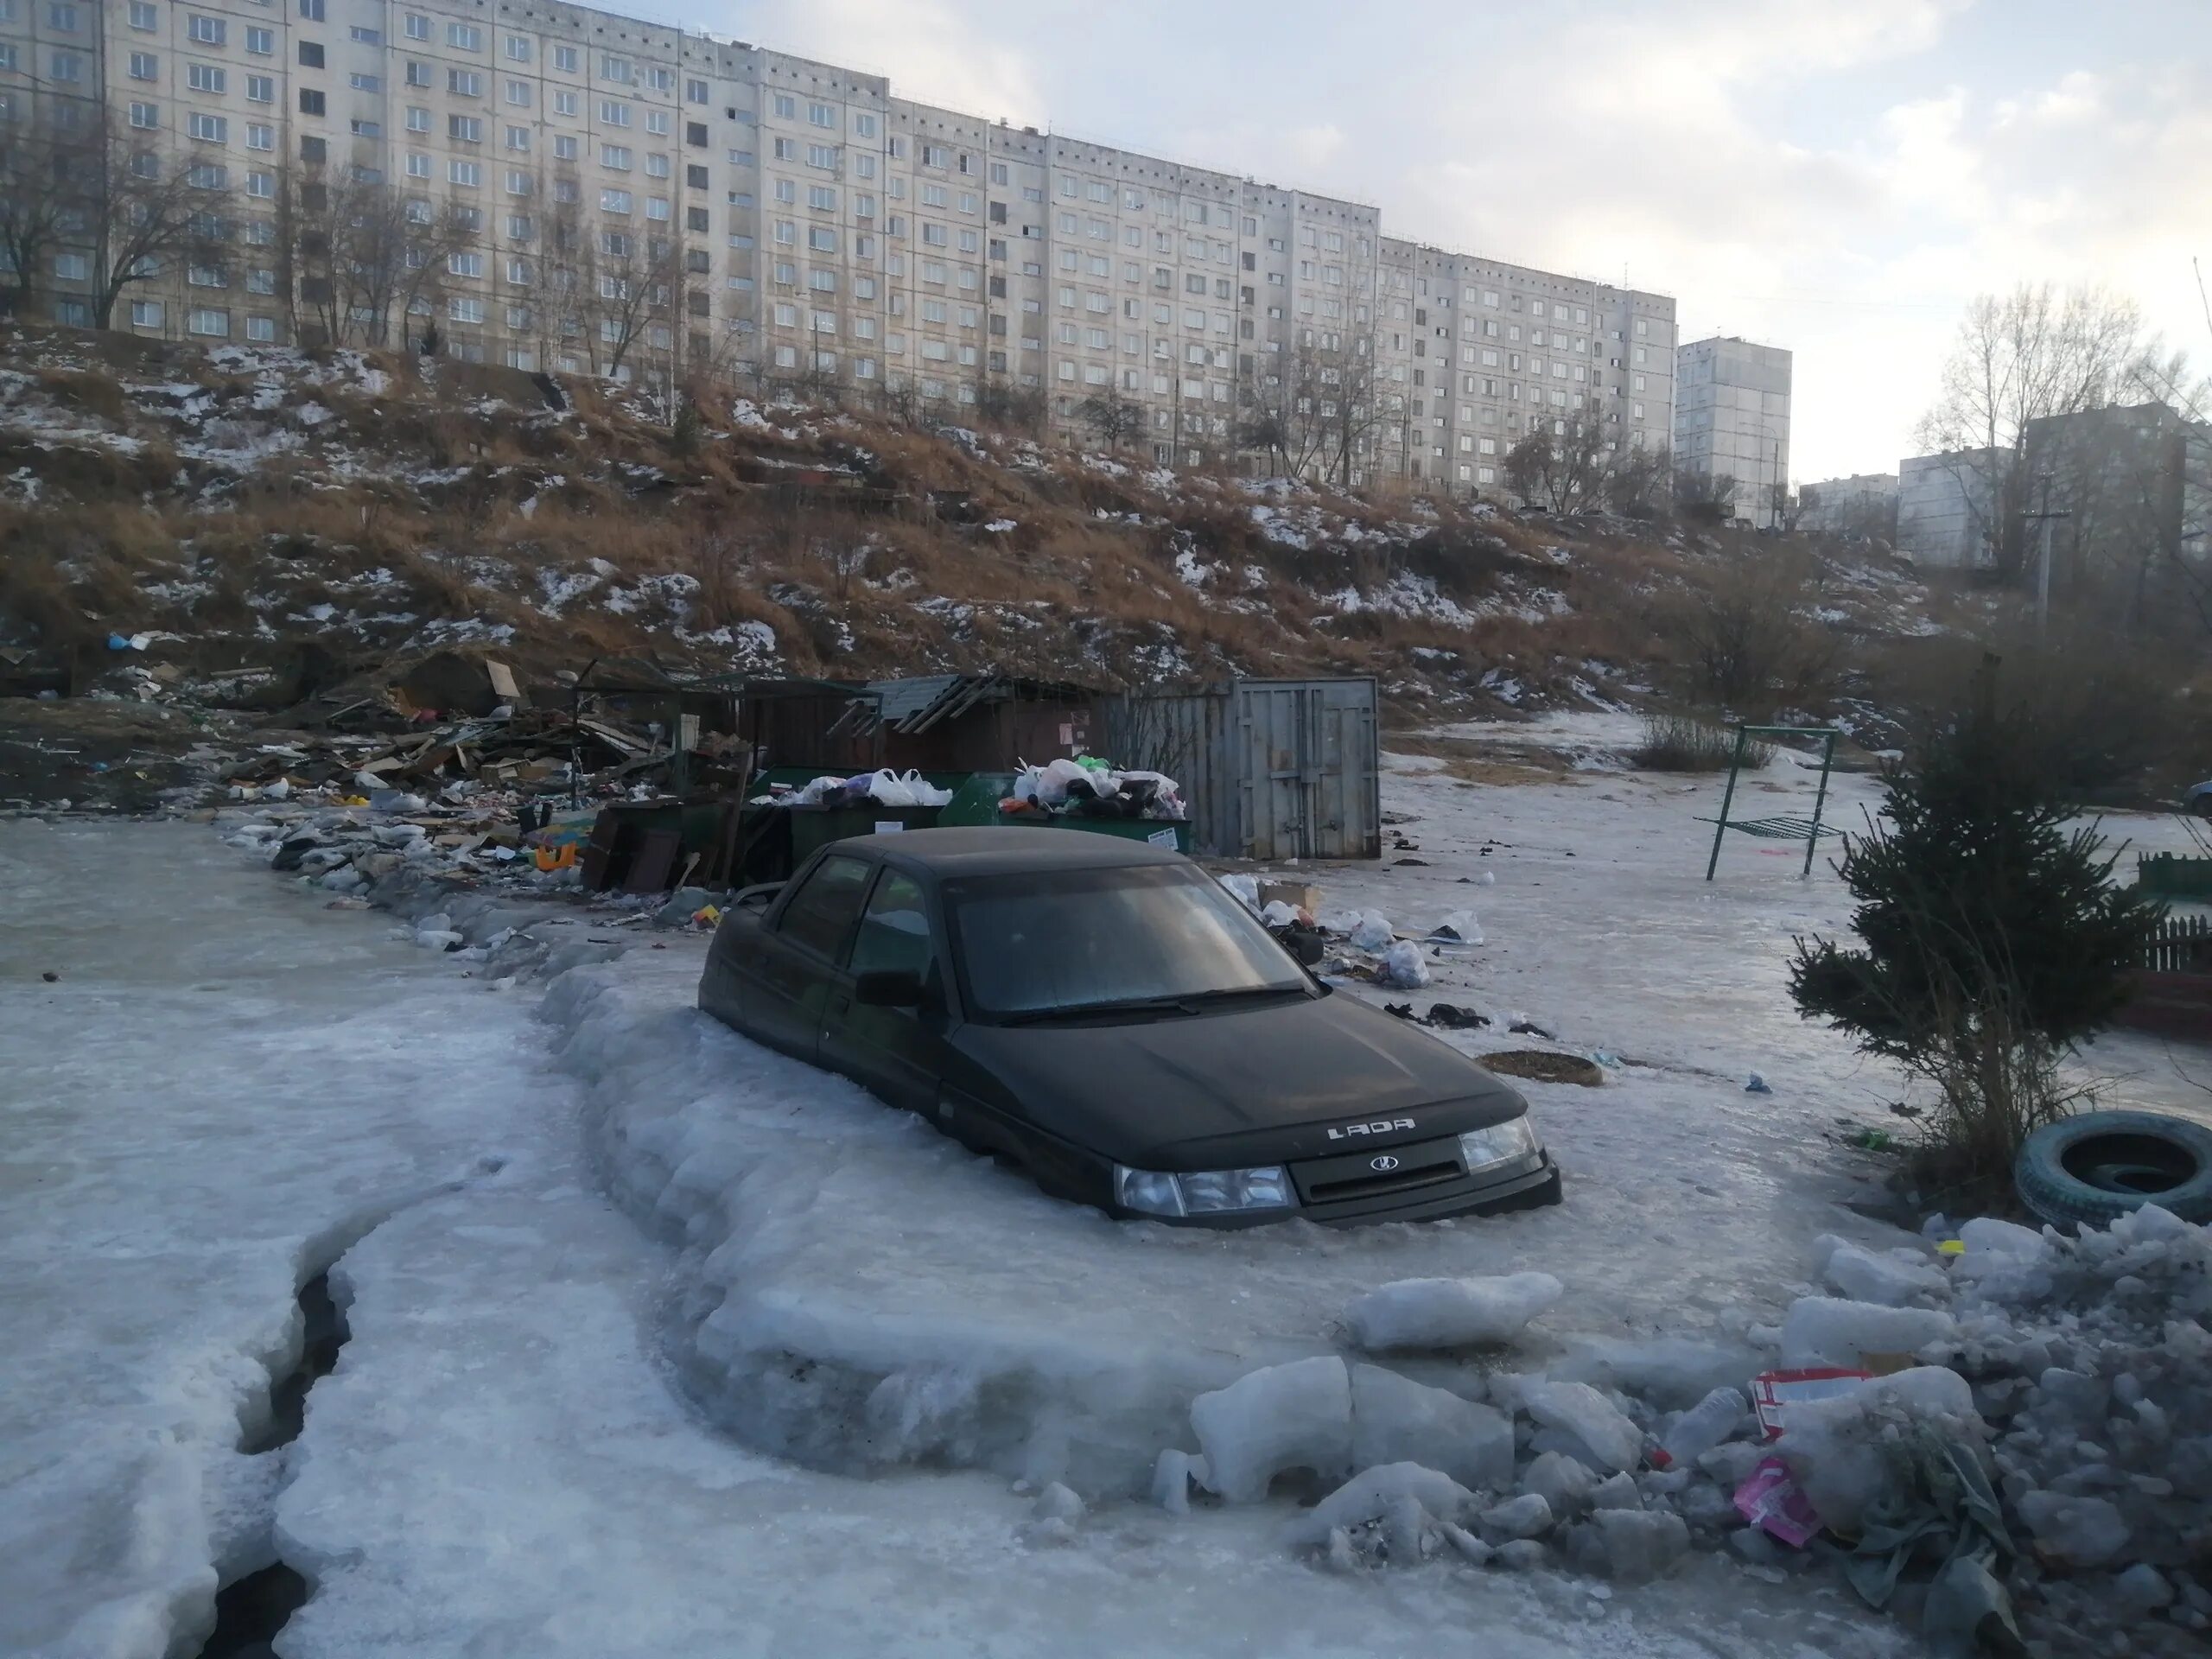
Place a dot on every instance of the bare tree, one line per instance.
(1112, 418)
(2023, 358)
(1706, 498)
(146, 212)
(1641, 481)
(364, 257)
(1313, 406)
(1566, 470)
(42, 199)
(625, 284)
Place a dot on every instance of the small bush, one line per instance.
(1679, 743)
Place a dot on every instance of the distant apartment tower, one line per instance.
(1865, 504)
(1947, 515)
(1732, 420)
(2132, 479)
(608, 196)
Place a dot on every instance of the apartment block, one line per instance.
(596, 194)
(1946, 511)
(1865, 504)
(1732, 420)
(2132, 480)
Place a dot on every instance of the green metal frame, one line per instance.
(1807, 830)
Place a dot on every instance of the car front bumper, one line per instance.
(1526, 1183)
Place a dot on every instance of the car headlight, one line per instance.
(1500, 1143)
(1211, 1192)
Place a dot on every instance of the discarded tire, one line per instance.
(2097, 1167)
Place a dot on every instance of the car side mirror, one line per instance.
(888, 988)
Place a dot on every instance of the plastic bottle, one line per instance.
(1705, 1425)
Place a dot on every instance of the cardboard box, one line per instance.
(1298, 895)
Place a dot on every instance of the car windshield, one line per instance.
(1071, 940)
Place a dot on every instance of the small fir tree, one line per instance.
(1991, 940)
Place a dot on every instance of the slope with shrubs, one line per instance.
(335, 516)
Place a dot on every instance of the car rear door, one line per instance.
(898, 1053)
(787, 987)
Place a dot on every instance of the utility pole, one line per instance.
(2043, 571)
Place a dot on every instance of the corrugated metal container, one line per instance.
(1270, 769)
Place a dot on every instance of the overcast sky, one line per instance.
(1834, 177)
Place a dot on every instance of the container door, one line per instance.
(1345, 819)
(1276, 746)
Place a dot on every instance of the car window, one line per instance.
(821, 913)
(894, 934)
(1054, 939)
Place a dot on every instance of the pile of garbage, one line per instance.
(1090, 788)
(1352, 945)
(881, 788)
(2002, 1436)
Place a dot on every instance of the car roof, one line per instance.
(1008, 849)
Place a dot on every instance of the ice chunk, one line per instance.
(2142, 1589)
(1402, 968)
(1293, 1416)
(1525, 1516)
(1374, 1495)
(1888, 1281)
(1615, 1492)
(1640, 1544)
(1714, 1418)
(1985, 1234)
(1171, 1480)
(1395, 1419)
(1449, 1313)
(1522, 1554)
(1470, 1548)
(1563, 1483)
(1824, 1331)
(1578, 1409)
(1056, 1502)
(2078, 1531)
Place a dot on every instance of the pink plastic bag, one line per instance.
(1770, 1500)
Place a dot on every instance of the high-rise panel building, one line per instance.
(1732, 420)
(553, 186)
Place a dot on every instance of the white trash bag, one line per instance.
(888, 788)
(1246, 887)
(1402, 968)
(1372, 931)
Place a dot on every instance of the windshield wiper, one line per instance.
(1128, 1005)
(1184, 1002)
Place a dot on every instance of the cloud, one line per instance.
(933, 52)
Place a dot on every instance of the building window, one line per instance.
(518, 48)
(146, 115)
(144, 66)
(211, 323)
(310, 56)
(311, 102)
(466, 36)
(465, 82)
(564, 60)
(821, 115)
(361, 83)
(205, 78)
(208, 31)
(461, 172)
(146, 314)
(616, 157)
(468, 129)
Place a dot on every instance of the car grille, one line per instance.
(1353, 1175)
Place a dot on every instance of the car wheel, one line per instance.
(2093, 1168)
(2200, 805)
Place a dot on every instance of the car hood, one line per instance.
(1239, 1086)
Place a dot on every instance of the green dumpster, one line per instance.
(813, 827)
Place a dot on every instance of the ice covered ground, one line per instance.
(228, 1087)
(551, 1434)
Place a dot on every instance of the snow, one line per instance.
(1379, 1493)
(820, 1285)
(1449, 1313)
